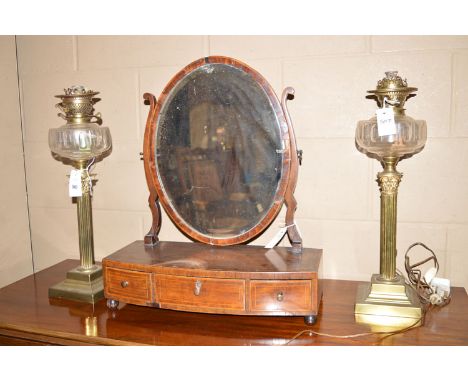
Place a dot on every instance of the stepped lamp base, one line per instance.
(80, 285)
(387, 305)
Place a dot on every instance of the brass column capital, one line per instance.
(389, 179)
(86, 182)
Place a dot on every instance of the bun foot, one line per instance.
(310, 320)
(112, 304)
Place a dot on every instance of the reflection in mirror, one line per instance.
(219, 150)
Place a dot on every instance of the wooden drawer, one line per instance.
(292, 296)
(128, 286)
(200, 294)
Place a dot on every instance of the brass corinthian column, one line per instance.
(388, 181)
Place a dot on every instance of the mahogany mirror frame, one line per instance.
(286, 185)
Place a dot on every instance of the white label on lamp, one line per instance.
(74, 187)
(386, 121)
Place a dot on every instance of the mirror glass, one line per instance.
(219, 154)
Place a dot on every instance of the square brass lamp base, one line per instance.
(80, 285)
(387, 304)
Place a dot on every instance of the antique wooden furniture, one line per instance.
(220, 156)
(232, 280)
(29, 317)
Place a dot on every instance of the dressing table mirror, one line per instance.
(220, 156)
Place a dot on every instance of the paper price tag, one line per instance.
(277, 238)
(74, 187)
(386, 121)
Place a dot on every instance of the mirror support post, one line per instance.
(289, 199)
(151, 238)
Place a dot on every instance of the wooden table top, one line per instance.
(28, 316)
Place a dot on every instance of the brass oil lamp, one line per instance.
(390, 136)
(81, 142)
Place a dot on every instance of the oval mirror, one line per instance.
(219, 154)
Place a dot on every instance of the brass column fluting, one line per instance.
(85, 220)
(388, 181)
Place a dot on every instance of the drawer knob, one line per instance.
(197, 289)
(280, 296)
(124, 284)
